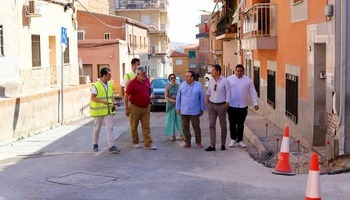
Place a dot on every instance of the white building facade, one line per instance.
(30, 43)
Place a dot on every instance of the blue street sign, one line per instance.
(63, 35)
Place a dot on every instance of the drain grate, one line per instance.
(83, 179)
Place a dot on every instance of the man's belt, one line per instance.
(221, 103)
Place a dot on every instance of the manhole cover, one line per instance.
(82, 179)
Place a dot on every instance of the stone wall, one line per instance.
(31, 114)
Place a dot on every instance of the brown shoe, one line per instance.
(187, 145)
(172, 139)
(181, 137)
(199, 145)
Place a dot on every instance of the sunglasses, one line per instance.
(215, 87)
(172, 78)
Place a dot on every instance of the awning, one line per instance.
(236, 14)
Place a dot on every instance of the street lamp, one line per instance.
(205, 11)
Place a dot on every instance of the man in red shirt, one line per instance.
(137, 108)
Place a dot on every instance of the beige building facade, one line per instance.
(205, 57)
(153, 13)
(31, 64)
(180, 64)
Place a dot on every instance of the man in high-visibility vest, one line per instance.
(102, 108)
(131, 75)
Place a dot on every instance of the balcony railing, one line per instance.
(221, 26)
(260, 21)
(202, 35)
(142, 4)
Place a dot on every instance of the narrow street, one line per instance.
(60, 164)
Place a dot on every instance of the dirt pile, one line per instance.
(299, 156)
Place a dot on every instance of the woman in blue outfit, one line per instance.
(173, 121)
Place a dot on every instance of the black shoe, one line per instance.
(114, 150)
(95, 148)
(210, 148)
(223, 148)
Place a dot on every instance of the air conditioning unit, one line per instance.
(33, 9)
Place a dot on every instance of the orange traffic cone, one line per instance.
(313, 191)
(283, 166)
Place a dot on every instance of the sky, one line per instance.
(183, 16)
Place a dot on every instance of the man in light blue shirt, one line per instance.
(190, 104)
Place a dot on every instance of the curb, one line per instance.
(256, 142)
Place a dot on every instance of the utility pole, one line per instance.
(63, 45)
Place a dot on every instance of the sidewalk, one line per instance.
(263, 138)
(266, 149)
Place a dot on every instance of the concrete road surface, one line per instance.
(60, 164)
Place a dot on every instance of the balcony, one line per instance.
(142, 4)
(260, 27)
(202, 35)
(224, 29)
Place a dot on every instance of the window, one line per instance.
(299, 11)
(297, 2)
(248, 70)
(107, 36)
(292, 97)
(141, 42)
(191, 54)
(271, 88)
(36, 55)
(100, 66)
(81, 35)
(257, 79)
(178, 61)
(146, 19)
(66, 53)
(193, 65)
(1, 42)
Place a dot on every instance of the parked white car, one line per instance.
(207, 76)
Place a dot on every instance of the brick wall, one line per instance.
(31, 114)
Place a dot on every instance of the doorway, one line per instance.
(52, 60)
(320, 115)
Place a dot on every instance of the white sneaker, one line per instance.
(136, 146)
(232, 143)
(242, 144)
(151, 148)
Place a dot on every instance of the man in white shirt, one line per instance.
(241, 88)
(217, 99)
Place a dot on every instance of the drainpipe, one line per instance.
(133, 37)
(342, 86)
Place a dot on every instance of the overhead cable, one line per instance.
(110, 26)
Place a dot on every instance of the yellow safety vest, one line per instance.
(100, 109)
(128, 77)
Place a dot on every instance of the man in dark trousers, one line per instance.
(241, 88)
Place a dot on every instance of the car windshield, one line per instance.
(160, 83)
